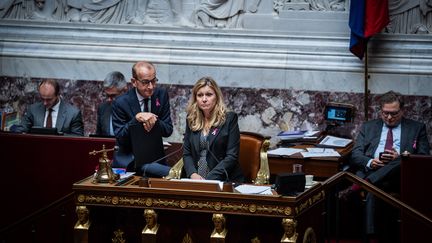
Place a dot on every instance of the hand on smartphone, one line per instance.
(376, 163)
(388, 155)
(383, 156)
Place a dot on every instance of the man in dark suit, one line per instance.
(52, 111)
(114, 85)
(145, 105)
(376, 153)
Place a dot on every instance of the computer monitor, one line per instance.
(94, 135)
(338, 112)
(44, 130)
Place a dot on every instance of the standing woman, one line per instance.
(212, 137)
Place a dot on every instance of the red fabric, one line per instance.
(389, 140)
(376, 17)
(49, 118)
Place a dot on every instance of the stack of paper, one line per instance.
(299, 135)
(332, 141)
(320, 152)
(251, 189)
(291, 135)
(283, 151)
(219, 183)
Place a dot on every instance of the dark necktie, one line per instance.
(146, 109)
(389, 140)
(49, 118)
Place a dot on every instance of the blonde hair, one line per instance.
(195, 117)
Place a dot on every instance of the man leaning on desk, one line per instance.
(52, 111)
(146, 105)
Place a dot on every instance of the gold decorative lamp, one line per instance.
(104, 174)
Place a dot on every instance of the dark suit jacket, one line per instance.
(124, 109)
(413, 139)
(103, 120)
(69, 119)
(222, 158)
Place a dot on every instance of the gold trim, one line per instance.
(118, 236)
(199, 205)
(175, 171)
(263, 175)
(310, 202)
(187, 239)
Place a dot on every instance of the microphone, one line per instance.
(159, 159)
(218, 161)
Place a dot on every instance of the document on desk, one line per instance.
(220, 183)
(284, 151)
(320, 152)
(336, 142)
(251, 189)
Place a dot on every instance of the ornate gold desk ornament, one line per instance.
(289, 226)
(104, 174)
(83, 217)
(149, 233)
(219, 233)
(118, 236)
(81, 228)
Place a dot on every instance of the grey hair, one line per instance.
(115, 80)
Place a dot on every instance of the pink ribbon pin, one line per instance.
(157, 102)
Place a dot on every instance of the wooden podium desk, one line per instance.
(320, 167)
(186, 215)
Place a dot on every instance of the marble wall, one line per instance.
(260, 110)
(279, 61)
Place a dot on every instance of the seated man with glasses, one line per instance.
(377, 149)
(144, 105)
(114, 85)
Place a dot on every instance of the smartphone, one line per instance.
(381, 156)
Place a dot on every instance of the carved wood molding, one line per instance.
(205, 205)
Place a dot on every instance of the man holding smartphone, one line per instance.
(377, 149)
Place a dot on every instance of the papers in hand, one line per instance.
(284, 151)
(331, 141)
(251, 189)
(320, 152)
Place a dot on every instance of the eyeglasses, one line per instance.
(110, 95)
(390, 113)
(146, 82)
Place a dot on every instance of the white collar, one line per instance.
(56, 107)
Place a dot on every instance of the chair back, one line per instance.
(253, 157)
